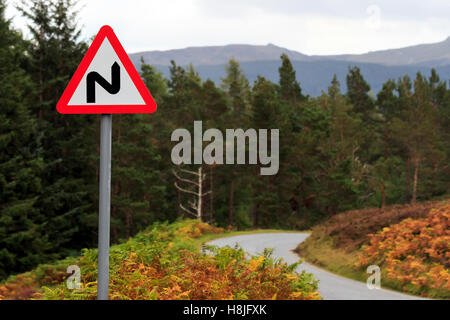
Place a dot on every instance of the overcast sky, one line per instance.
(309, 26)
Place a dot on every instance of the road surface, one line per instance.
(331, 286)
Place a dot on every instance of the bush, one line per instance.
(415, 252)
(350, 230)
(164, 262)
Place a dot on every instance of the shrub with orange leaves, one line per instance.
(164, 263)
(23, 287)
(197, 228)
(206, 277)
(27, 285)
(415, 252)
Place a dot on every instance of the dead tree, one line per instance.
(194, 189)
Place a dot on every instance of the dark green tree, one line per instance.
(290, 89)
(387, 171)
(344, 177)
(23, 242)
(137, 188)
(358, 93)
(267, 193)
(236, 87)
(68, 197)
(154, 81)
(414, 129)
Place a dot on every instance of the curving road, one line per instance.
(331, 286)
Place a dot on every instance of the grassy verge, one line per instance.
(322, 253)
(325, 255)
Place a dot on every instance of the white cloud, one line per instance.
(312, 27)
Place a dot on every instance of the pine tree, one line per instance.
(414, 129)
(23, 241)
(137, 188)
(266, 196)
(290, 89)
(154, 81)
(358, 93)
(359, 96)
(344, 179)
(387, 168)
(68, 197)
(438, 89)
(237, 89)
(442, 101)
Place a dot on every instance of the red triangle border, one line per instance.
(106, 32)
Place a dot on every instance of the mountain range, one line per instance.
(314, 72)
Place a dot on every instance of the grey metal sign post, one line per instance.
(104, 207)
(127, 93)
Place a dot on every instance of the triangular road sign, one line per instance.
(106, 81)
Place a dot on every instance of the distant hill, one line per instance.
(424, 54)
(313, 72)
(435, 54)
(215, 55)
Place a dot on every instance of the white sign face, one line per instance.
(109, 83)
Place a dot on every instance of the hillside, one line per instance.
(313, 72)
(435, 54)
(214, 55)
(432, 55)
(410, 243)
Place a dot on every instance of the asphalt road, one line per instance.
(331, 286)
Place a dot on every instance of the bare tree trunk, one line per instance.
(416, 178)
(196, 205)
(383, 196)
(230, 212)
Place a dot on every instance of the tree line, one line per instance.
(338, 151)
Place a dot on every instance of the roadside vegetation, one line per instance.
(410, 243)
(165, 262)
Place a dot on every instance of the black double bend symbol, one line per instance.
(93, 77)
